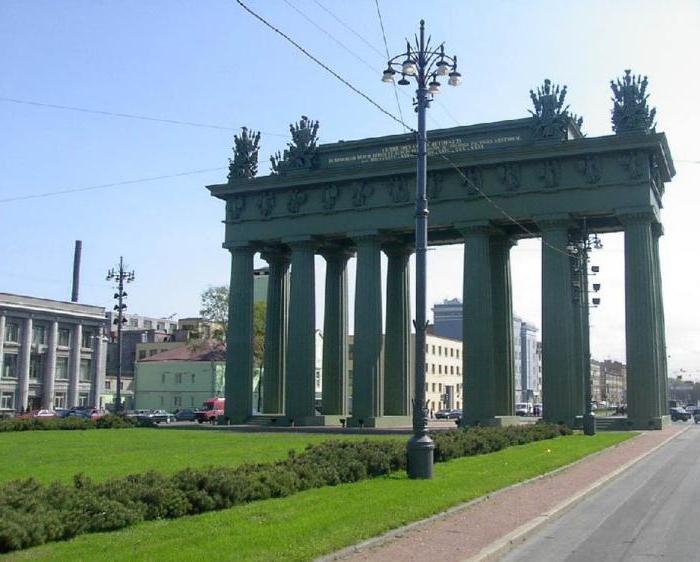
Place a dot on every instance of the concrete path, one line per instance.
(488, 528)
(652, 513)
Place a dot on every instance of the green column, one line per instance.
(335, 332)
(502, 301)
(478, 328)
(558, 325)
(301, 350)
(367, 379)
(657, 230)
(239, 348)
(398, 388)
(641, 321)
(275, 330)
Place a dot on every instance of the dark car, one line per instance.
(679, 414)
(455, 414)
(185, 415)
(696, 416)
(442, 414)
(158, 416)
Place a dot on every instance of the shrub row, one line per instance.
(32, 513)
(71, 422)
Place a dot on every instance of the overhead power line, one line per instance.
(130, 116)
(106, 185)
(388, 56)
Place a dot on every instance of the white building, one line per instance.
(52, 354)
(526, 362)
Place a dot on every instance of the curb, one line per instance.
(513, 538)
(519, 535)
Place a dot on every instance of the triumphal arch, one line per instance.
(489, 185)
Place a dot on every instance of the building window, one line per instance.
(433, 368)
(162, 378)
(192, 378)
(12, 332)
(439, 387)
(108, 385)
(458, 369)
(439, 369)
(64, 337)
(433, 387)
(452, 352)
(9, 366)
(87, 339)
(134, 322)
(178, 378)
(39, 335)
(83, 399)
(439, 350)
(426, 387)
(452, 369)
(59, 400)
(161, 326)
(36, 366)
(85, 371)
(177, 401)
(61, 368)
(7, 401)
(142, 353)
(148, 324)
(433, 350)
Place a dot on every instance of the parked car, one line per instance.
(522, 409)
(442, 414)
(185, 415)
(158, 416)
(696, 416)
(455, 414)
(86, 413)
(36, 414)
(679, 414)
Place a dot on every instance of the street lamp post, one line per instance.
(425, 65)
(120, 277)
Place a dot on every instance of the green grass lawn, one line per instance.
(102, 453)
(318, 521)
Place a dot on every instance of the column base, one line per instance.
(280, 420)
(381, 421)
(653, 423)
(495, 421)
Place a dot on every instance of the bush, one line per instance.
(109, 421)
(32, 513)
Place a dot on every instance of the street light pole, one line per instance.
(120, 276)
(423, 64)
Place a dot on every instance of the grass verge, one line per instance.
(318, 521)
(104, 453)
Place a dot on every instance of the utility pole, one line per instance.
(120, 276)
(425, 65)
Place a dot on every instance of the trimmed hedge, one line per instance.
(32, 513)
(70, 423)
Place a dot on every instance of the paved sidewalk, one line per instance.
(484, 529)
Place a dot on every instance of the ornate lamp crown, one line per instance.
(245, 155)
(551, 118)
(301, 152)
(630, 111)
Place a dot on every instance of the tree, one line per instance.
(214, 308)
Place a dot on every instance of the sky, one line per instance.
(210, 63)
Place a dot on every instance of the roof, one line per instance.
(23, 302)
(199, 351)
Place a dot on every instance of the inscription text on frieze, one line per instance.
(408, 150)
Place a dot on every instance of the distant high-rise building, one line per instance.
(447, 317)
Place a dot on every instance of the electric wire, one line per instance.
(106, 185)
(321, 64)
(388, 56)
(130, 116)
(350, 29)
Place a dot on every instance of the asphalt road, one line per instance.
(650, 512)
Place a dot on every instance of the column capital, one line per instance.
(636, 215)
(365, 236)
(241, 249)
(398, 248)
(333, 251)
(501, 239)
(275, 254)
(302, 242)
(476, 228)
(657, 229)
(554, 221)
